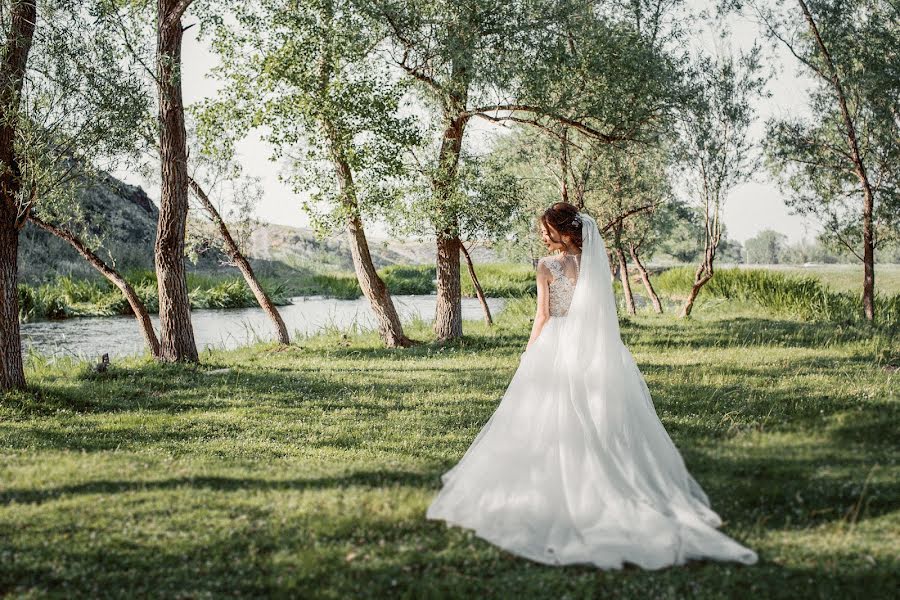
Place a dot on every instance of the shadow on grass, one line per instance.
(371, 479)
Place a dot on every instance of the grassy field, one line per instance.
(306, 471)
(846, 278)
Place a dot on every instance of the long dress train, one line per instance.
(574, 466)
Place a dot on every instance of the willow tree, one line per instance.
(717, 149)
(580, 64)
(69, 102)
(841, 164)
(306, 70)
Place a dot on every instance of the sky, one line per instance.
(750, 208)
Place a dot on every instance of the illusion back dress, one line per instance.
(574, 466)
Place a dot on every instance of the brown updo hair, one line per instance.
(563, 218)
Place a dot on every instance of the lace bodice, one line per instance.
(564, 270)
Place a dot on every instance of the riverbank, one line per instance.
(306, 471)
(782, 288)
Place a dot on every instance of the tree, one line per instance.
(717, 151)
(306, 70)
(237, 258)
(68, 100)
(545, 64)
(176, 331)
(765, 248)
(843, 163)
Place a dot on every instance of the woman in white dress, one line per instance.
(574, 466)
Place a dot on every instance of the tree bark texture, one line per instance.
(373, 287)
(702, 276)
(13, 214)
(477, 285)
(113, 276)
(176, 332)
(240, 261)
(448, 312)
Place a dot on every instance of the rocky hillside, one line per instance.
(120, 215)
(124, 217)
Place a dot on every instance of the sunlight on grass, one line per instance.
(305, 471)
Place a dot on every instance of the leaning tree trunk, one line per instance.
(645, 278)
(240, 261)
(701, 277)
(176, 332)
(389, 326)
(113, 276)
(21, 18)
(373, 287)
(626, 283)
(477, 285)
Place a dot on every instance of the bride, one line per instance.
(574, 466)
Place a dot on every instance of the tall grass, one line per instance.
(501, 280)
(805, 297)
(66, 297)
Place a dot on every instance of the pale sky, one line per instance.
(750, 208)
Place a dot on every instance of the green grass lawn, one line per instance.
(306, 471)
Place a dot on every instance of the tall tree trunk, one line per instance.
(645, 278)
(12, 372)
(22, 17)
(626, 283)
(114, 277)
(448, 312)
(868, 256)
(176, 332)
(478, 291)
(858, 167)
(240, 261)
(373, 287)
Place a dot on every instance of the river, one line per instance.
(90, 337)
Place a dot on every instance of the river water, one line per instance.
(91, 337)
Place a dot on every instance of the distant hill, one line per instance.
(124, 217)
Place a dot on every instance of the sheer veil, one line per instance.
(591, 353)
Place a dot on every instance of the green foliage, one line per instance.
(811, 156)
(289, 475)
(307, 71)
(83, 104)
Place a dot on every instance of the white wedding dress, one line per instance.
(574, 466)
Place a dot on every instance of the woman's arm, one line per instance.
(543, 302)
